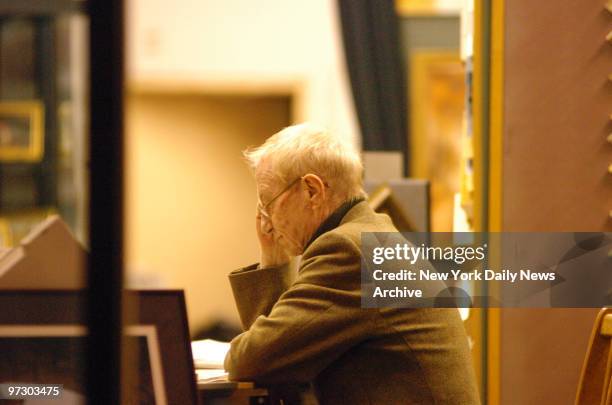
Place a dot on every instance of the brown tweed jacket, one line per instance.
(314, 330)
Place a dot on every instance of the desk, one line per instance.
(230, 392)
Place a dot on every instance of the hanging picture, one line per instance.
(21, 131)
(437, 92)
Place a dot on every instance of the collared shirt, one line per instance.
(334, 219)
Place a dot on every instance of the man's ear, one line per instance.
(315, 188)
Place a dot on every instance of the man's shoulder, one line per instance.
(361, 218)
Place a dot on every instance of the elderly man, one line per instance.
(313, 329)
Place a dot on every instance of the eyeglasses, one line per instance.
(263, 207)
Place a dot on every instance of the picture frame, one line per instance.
(21, 131)
(437, 127)
(49, 342)
(51, 324)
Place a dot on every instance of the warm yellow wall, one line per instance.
(190, 199)
(224, 42)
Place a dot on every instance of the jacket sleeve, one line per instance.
(316, 320)
(256, 290)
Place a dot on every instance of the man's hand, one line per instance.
(271, 253)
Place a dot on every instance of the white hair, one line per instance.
(305, 148)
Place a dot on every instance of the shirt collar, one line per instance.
(334, 219)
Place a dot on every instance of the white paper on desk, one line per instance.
(211, 375)
(209, 353)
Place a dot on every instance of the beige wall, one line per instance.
(190, 199)
(232, 43)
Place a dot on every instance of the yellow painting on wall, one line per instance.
(21, 131)
(437, 106)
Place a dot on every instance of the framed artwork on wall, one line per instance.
(437, 127)
(21, 131)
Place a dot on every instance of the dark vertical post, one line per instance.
(46, 73)
(106, 199)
